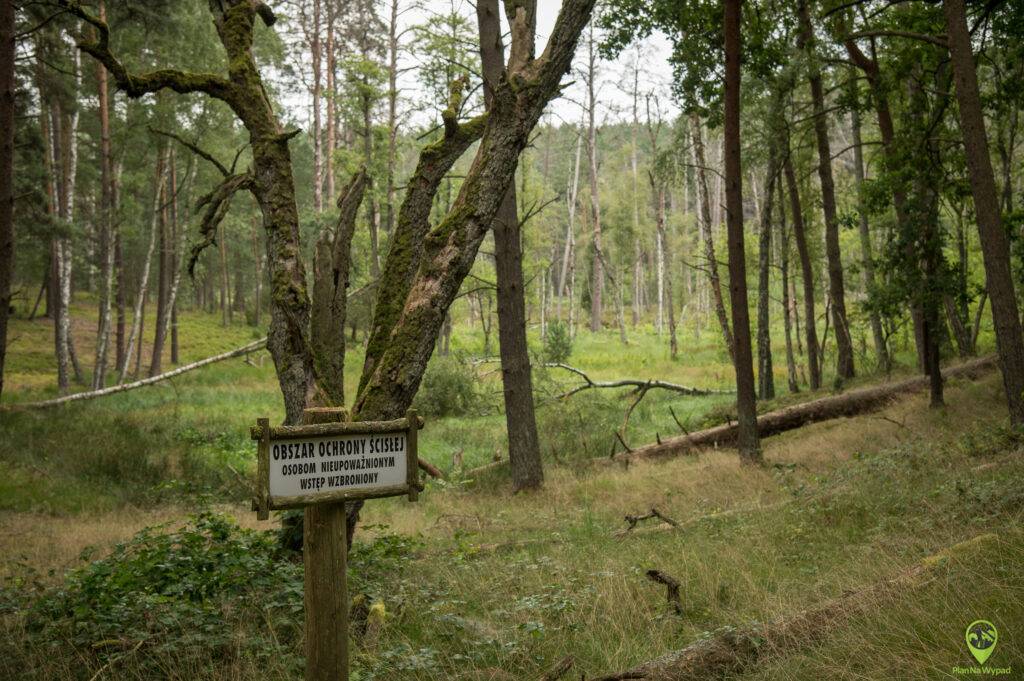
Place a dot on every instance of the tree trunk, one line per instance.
(597, 271)
(257, 257)
(572, 198)
(994, 246)
(392, 161)
(318, 153)
(449, 253)
(787, 302)
(844, 344)
(707, 237)
(899, 197)
(407, 241)
(135, 335)
(7, 40)
(163, 276)
(179, 239)
(765, 371)
(747, 439)
(807, 270)
(332, 135)
(521, 422)
(331, 265)
(665, 266)
(106, 231)
(226, 313)
(867, 255)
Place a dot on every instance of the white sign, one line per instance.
(337, 463)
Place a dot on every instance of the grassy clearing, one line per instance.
(475, 583)
(841, 505)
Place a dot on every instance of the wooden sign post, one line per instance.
(319, 466)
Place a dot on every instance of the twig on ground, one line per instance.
(671, 588)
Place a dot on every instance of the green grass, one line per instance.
(478, 584)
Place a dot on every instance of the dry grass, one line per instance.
(840, 505)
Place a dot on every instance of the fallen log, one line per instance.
(850, 403)
(736, 650)
(124, 387)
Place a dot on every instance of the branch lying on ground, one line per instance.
(671, 588)
(244, 350)
(850, 403)
(629, 383)
(634, 520)
(736, 650)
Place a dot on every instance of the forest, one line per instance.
(677, 339)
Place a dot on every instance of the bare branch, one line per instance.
(136, 85)
(217, 203)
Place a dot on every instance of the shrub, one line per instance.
(558, 343)
(448, 388)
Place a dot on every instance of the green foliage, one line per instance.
(558, 343)
(448, 388)
(179, 594)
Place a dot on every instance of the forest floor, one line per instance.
(478, 584)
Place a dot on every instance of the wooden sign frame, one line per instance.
(265, 435)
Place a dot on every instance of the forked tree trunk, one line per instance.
(994, 245)
(807, 270)
(449, 253)
(747, 439)
(521, 423)
(844, 344)
(707, 236)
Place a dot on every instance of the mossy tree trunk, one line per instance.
(331, 264)
(393, 371)
(270, 179)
